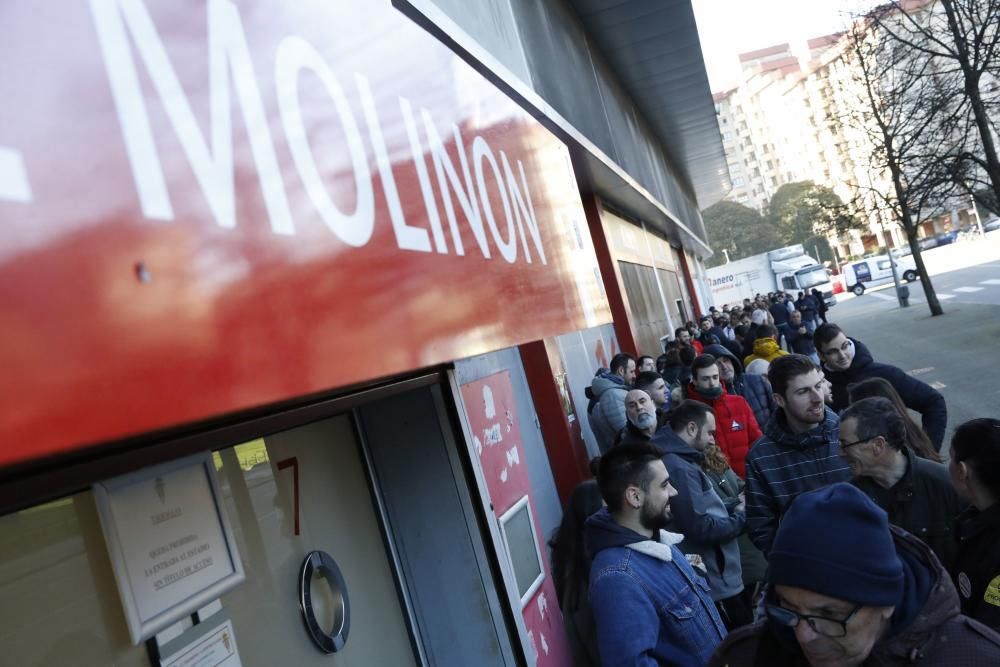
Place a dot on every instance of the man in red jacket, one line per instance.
(735, 426)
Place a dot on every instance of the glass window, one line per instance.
(813, 277)
(60, 601)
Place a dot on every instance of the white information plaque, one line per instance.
(170, 542)
(216, 648)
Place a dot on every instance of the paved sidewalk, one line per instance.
(960, 350)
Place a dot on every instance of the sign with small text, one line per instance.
(170, 543)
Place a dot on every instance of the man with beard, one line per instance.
(799, 451)
(736, 426)
(847, 361)
(848, 589)
(683, 336)
(649, 606)
(640, 413)
(753, 388)
(709, 526)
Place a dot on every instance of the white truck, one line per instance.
(788, 270)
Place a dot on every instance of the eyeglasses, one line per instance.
(845, 445)
(821, 625)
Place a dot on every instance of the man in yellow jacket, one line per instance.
(766, 346)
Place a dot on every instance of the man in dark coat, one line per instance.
(847, 589)
(806, 304)
(799, 339)
(821, 302)
(846, 361)
(916, 493)
(779, 313)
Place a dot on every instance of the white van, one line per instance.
(874, 271)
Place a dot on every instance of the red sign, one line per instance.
(206, 207)
(490, 408)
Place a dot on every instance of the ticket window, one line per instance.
(61, 605)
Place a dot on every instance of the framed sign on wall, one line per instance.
(171, 546)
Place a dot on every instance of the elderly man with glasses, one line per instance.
(848, 589)
(916, 493)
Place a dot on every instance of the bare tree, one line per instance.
(962, 38)
(910, 118)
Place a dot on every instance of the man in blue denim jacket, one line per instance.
(649, 605)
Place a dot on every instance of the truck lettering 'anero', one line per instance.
(230, 65)
(787, 269)
(718, 282)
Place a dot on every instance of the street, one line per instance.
(958, 352)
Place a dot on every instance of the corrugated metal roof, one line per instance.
(654, 48)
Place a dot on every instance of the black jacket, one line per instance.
(926, 629)
(917, 395)
(977, 566)
(779, 311)
(923, 503)
(800, 343)
(630, 435)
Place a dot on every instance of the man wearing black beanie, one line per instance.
(847, 587)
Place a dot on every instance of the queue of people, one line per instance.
(800, 517)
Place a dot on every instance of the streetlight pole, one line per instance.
(892, 262)
(975, 211)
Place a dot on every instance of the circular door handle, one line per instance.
(334, 640)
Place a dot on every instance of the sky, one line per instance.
(728, 28)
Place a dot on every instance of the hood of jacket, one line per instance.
(671, 443)
(605, 380)
(826, 431)
(765, 347)
(929, 598)
(721, 351)
(601, 532)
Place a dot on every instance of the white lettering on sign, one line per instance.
(294, 55)
(407, 237)
(212, 162)
(213, 168)
(13, 177)
(481, 151)
(464, 192)
(422, 178)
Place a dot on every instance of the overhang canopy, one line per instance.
(654, 48)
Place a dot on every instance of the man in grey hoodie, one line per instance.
(606, 410)
(710, 527)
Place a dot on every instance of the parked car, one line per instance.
(928, 242)
(874, 271)
(944, 238)
(991, 225)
